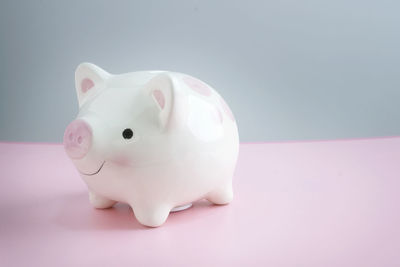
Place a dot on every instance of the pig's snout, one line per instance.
(77, 139)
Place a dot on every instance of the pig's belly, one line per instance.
(174, 182)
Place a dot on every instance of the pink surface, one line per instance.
(158, 95)
(197, 85)
(296, 204)
(226, 108)
(77, 139)
(86, 84)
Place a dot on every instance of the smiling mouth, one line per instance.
(94, 173)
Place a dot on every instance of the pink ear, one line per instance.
(160, 98)
(86, 84)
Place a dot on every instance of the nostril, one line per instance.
(77, 139)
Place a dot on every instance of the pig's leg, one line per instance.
(100, 202)
(151, 215)
(221, 195)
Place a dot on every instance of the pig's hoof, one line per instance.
(221, 196)
(100, 202)
(152, 217)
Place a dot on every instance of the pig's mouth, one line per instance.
(94, 173)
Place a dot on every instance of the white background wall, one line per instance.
(290, 70)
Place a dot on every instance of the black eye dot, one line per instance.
(127, 133)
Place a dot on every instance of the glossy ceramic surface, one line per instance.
(156, 140)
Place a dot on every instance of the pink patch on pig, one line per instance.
(159, 97)
(217, 116)
(197, 85)
(86, 85)
(226, 109)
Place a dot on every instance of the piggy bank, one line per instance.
(157, 140)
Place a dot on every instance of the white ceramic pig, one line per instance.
(156, 140)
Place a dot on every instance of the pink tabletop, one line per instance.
(331, 203)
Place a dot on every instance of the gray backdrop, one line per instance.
(290, 70)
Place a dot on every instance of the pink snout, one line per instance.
(77, 139)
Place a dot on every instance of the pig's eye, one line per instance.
(127, 133)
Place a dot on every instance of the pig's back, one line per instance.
(200, 118)
(203, 117)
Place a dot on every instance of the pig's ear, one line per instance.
(161, 91)
(89, 78)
